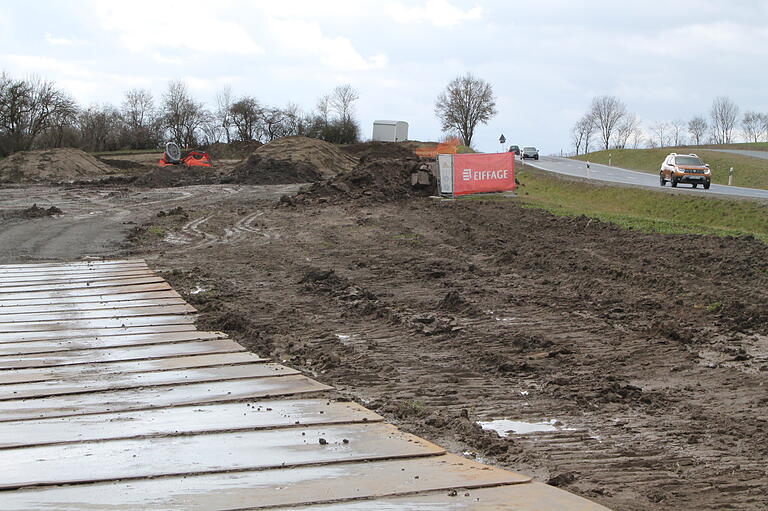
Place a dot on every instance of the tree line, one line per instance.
(610, 125)
(36, 114)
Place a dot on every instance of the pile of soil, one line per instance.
(375, 180)
(261, 169)
(63, 165)
(237, 150)
(367, 151)
(33, 212)
(323, 157)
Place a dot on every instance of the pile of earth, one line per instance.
(366, 151)
(34, 211)
(377, 180)
(62, 165)
(236, 150)
(324, 157)
(260, 169)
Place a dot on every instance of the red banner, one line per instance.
(483, 173)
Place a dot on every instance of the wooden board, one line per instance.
(74, 314)
(120, 381)
(158, 397)
(184, 420)
(41, 353)
(289, 487)
(109, 369)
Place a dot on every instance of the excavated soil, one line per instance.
(372, 180)
(325, 158)
(648, 352)
(259, 169)
(53, 166)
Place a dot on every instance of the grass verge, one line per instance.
(748, 172)
(644, 210)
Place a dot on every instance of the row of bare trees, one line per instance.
(611, 125)
(34, 113)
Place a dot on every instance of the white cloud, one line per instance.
(186, 26)
(61, 41)
(440, 13)
(299, 38)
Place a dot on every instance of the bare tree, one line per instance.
(100, 128)
(764, 126)
(677, 132)
(608, 112)
(273, 123)
(29, 108)
(724, 116)
(182, 115)
(637, 137)
(753, 124)
(247, 118)
(661, 130)
(466, 102)
(342, 101)
(625, 130)
(697, 127)
(140, 118)
(581, 133)
(223, 114)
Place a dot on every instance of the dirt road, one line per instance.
(95, 221)
(649, 353)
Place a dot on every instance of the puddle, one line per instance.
(506, 427)
(347, 338)
(198, 290)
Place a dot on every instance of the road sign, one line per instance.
(502, 139)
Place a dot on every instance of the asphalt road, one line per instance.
(629, 177)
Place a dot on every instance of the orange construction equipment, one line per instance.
(172, 156)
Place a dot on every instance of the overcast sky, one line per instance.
(545, 59)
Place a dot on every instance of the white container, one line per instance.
(390, 131)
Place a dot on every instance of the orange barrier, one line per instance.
(447, 147)
(483, 173)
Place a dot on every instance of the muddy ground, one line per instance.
(650, 350)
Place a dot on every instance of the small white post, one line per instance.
(730, 176)
(609, 159)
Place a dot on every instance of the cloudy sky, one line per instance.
(546, 59)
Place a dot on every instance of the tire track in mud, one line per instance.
(192, 234)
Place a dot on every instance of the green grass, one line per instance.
(157, 230)
(644, 210)
(749, 172)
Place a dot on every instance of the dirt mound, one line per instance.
(376, 180)
(53, 166)
(325, 158)
(260, 169)
(366, 151)
(233, 151)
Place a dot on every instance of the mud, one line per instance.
(442, 314)
(650, 350)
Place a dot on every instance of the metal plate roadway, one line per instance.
(111, 399)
